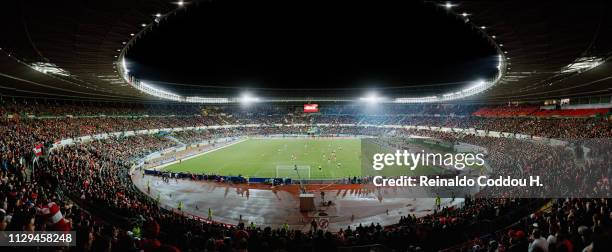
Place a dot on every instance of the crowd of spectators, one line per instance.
(89, 183)
(575, 224)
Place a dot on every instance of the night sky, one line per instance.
(283, 47)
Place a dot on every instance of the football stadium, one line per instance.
(275, 158)
(232, 125)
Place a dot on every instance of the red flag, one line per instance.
(54, 218)
(38, 150)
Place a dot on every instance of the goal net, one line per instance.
(290, 171)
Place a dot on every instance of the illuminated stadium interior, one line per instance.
(233, 125)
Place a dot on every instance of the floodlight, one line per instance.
(371, 98)
(449, 5)
(247, 98)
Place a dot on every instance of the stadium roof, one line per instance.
(73, 49)
(553, 49)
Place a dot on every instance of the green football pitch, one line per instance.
(316, 158)
(337, 158)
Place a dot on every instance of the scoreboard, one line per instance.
(311, 108)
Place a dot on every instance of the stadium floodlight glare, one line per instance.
(197, 99)
(158, 15)
(478, 84)
(247, 98)
(473, 89)
(372, 98)
(160, 93)
(449, 5)
(465, 14)
(124, 66)
(477, 87)
(155, 91)
(180, 3)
